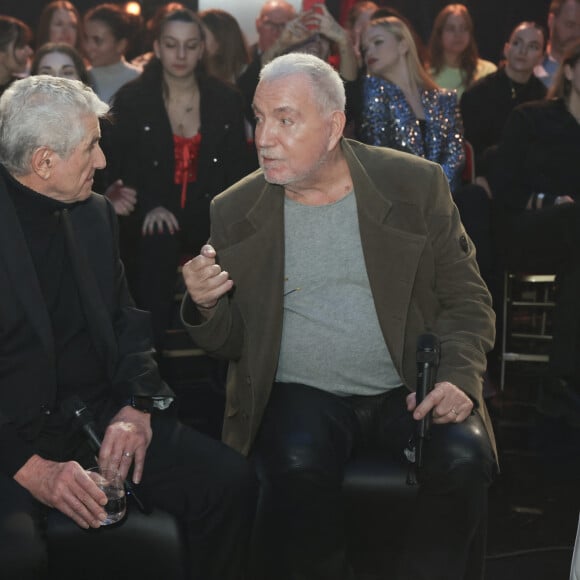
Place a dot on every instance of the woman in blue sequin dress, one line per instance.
(401, 107)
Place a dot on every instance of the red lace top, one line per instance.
(186, 151)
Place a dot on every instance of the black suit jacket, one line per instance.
(119, 331)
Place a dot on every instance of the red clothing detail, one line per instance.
(186, 156)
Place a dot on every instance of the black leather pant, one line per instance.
(306, 438)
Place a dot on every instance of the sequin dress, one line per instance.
(386, 119)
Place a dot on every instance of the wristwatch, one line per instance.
(143, 404)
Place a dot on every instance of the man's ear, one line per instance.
(156, 48)
(337, 123)
(42, 162)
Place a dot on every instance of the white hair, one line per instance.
(43, 111)
(326, 83)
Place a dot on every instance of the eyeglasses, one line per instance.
(278, 26)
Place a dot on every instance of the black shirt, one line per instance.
(79, 370)
(485, 108)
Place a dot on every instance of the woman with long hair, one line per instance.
(535, 179)
(59, 21)
(109, 31)
(178, 140)
(226, 51)
(453, 54)
(15, 51)
(400, 106)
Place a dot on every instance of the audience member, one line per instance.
(486, 105)
(358, 17)
(401, 107)
(59, 59)
(453, 54)
(226, 53)
(177, 139)
(59, 21)
(151, 26)
(564, 28)
(75, 332)
(273, 17)
(384, 11)
(340, 260)
(108, 32)
(270, 23)
(316, 32)
(15, 51)
(535, 179)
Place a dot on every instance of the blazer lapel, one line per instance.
(21, 272)
(97, 316)
(391, 256)
(258, 239)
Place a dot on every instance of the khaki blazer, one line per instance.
(420, 264)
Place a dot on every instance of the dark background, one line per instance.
(494, 19)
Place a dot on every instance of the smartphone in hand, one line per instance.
(308, 4)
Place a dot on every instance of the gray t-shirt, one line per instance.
(331, 337)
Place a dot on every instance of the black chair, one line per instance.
(139, 547)
(378, 501)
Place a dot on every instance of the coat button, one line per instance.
(155, 163)
(45, 409)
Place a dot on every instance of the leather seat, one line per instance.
(140, 547)
(378, 500)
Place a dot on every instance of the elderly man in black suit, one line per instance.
(68, 328)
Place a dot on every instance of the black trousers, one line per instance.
(208, 486)
(306, 438)
(158, 255)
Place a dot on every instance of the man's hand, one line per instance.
(448, 402)
(126, 440)
(66, 487)
(206, 282)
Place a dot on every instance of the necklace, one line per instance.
(178, 112)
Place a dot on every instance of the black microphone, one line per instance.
(83, 418)
(427, 363)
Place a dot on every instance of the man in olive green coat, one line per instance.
(323, 268)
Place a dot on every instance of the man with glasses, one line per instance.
(270, 23)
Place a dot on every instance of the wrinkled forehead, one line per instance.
(277, 14)
(292, 91)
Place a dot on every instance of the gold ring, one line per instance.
(454, 411)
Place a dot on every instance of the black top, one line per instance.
(140, 147)
(79, 370)
(485, 108)
(539, 152)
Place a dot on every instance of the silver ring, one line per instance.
(454, 411)
(127, 454)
